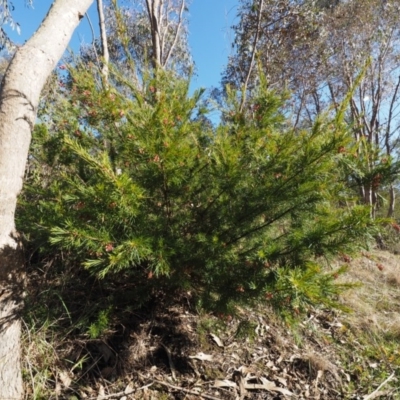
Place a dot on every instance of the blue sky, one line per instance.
(210, 36)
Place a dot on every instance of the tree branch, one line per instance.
(253, 54)
(176, 32)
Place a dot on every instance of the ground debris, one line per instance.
(170, 352)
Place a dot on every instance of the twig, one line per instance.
(176, 33)
(123, 393)
(375, 392)
(171, 364)
(204, 396)
(93, 39)
(253, 54)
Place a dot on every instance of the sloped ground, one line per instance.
(174, 353)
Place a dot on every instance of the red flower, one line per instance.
(79, 205)
(109, 247)
(396, 227)
(346, 258)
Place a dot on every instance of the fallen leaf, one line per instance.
(270, 364)
(257, 386)
(202, 357)
(283, 381)
(217, 340)
(57, 389)
(65, 379)
(129, 388)
(102, 392)
(224, 383)
(267, 385)
(237, 377)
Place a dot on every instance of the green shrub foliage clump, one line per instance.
(139, 186)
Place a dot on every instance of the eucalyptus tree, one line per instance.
(103, 40)
(274, 36)
(6, 18)
(20, 90)
(148, 34)
(364, 38)
(322, 52)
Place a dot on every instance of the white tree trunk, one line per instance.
(104, 42)
(19, 98)
(153, 11)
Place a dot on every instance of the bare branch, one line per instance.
(253, 54)
(176, 32)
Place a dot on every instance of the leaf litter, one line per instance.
(173, 353)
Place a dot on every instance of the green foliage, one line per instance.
(102, 322)
(138, 188)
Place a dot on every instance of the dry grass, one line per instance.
(376, 303)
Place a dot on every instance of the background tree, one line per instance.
(366, 33)
(317, 52)
(19, 98)
(6, 18)
(103, 40)
(144, 34)
(162, 13)
(276, 35)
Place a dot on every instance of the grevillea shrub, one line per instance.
(138, 186)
